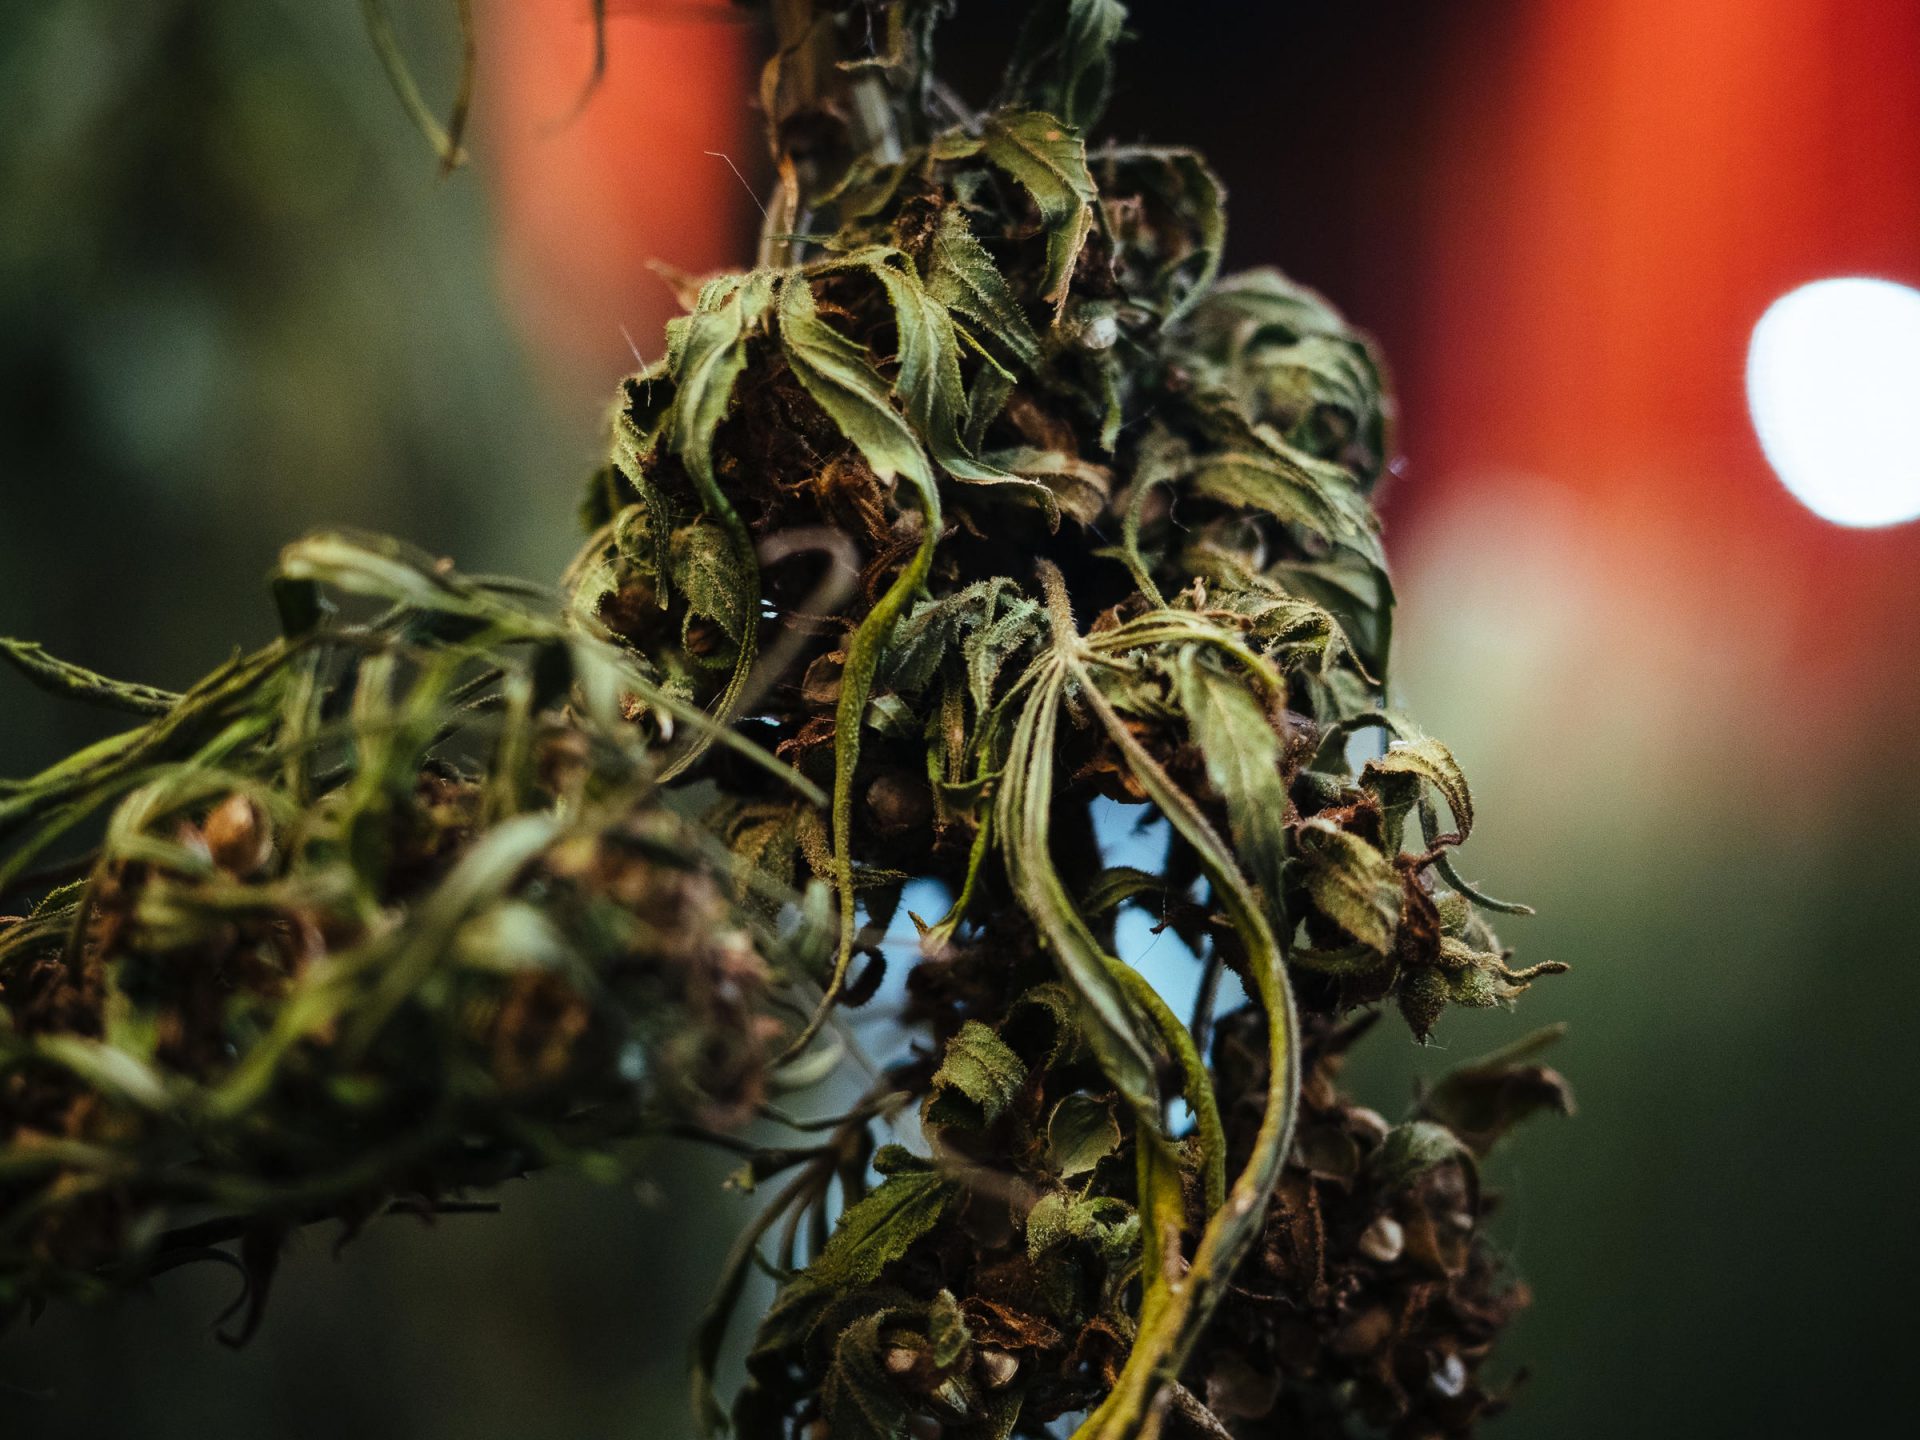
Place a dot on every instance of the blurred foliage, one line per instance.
(233, 305)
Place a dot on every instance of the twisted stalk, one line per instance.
(1136, 1407)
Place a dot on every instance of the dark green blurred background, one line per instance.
(236, 303)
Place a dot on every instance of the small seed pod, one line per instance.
(239, 837)
(997, 1368)
(1449, 1376)
(1383, 1240)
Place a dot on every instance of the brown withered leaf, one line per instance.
(1484, 1099)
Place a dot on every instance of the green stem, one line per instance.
(1132, 1411)
(1197, 1085)
(856, 687)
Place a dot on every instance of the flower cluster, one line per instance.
(984, 502)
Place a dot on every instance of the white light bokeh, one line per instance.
(1833, 380)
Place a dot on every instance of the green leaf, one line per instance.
(870, 1236)
(859, 1397)
(961, 275)
(1424, 758)
(928, 381)
(1184, 244)
(1289, 631)
(1161, 459)
(840, 376)
(1048, 159)
(641, 528)
(928, 356)
(988, 395)
(62, 677)
(1350, 882)
(706, 568)
(220, 711)
(1079, 487)
(1107, 1225)
(924, 641)
(866, 190)
(986, 624)
(947, 1332)
(1289, 627)
(1022, 819)
(1244, 763)
(644, 544)
(1294, 487)
(1358, 593)
(1081, 1132)
(1293, 365)
(1173, 1320)
(1412, 1149)
(1320, 392)
(706, 352)
(979, 1067)
(1118, 884)
(385, 569)
(989, 647)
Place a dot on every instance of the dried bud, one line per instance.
(562, 934)
(704, 638)
(1236, 1389)
(1423, 996)
(898, 803)
(1363, 1334)
(632, 610)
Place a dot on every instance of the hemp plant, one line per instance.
(983, 505)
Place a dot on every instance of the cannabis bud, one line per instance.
(984, 508)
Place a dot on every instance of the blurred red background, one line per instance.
(1561, 219)
(1612, 192)
(595, 198)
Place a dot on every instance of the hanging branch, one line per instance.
(446, 139)
(981, 512)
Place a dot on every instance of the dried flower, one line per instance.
(984, 499)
